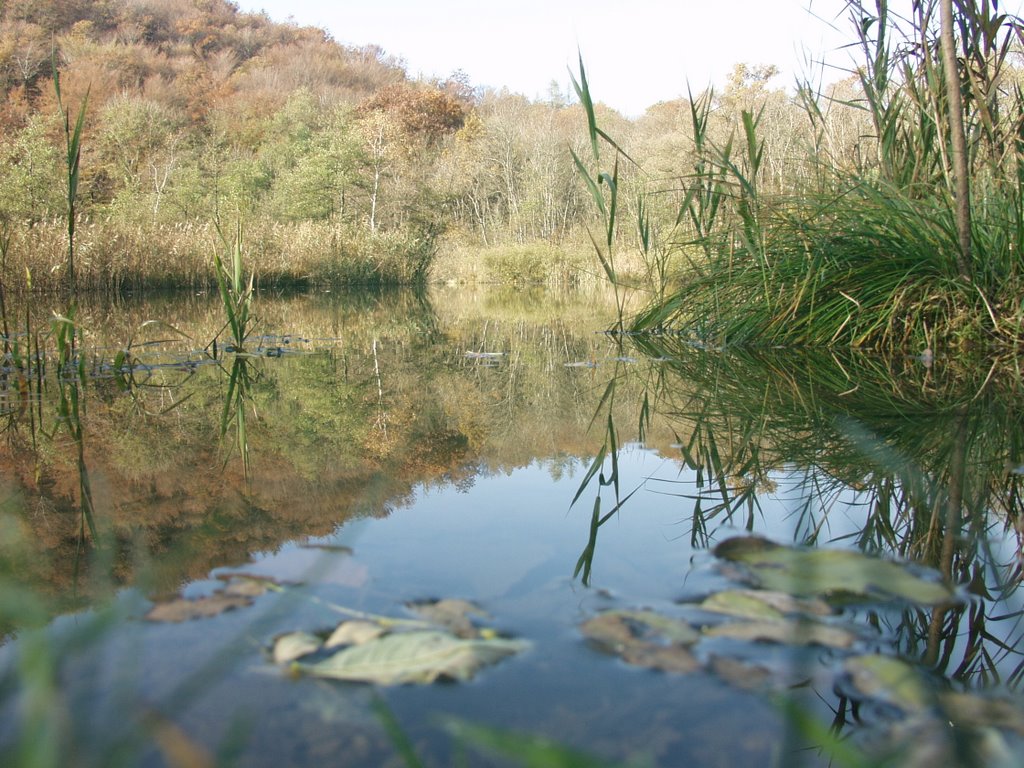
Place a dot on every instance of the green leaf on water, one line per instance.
(889, 680)
(830, 572)
(784, 631)
(761, 604)
(414, 657)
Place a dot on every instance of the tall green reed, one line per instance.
(598, 181)
(73, 147)
(235, 293)
(239, 396)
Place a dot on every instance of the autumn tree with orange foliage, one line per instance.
(199, 113)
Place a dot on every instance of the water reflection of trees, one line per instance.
(924, 459)
(172, 434)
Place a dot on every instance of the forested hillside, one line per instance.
(339, 165)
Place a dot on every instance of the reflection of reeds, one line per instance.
(922, 454)
(608, 454)
(918, 455)
(70, 373)
(238, 397)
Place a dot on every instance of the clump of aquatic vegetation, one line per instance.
(911, 240)
(235, 292)
(915, 464)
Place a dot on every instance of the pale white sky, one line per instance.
(637, 52)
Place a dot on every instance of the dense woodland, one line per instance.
(339, 164)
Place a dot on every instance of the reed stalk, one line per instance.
(235, 293)
(73, 147)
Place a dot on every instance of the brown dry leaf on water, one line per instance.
(246, 585)
(176, 747)
(238, 593)
(969, 709)
(749, 677)
(183, 609)
(644, 639)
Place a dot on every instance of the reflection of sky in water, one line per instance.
(510, 533)
(510, 542)
(508, 538)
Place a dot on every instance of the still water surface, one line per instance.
(374, 450)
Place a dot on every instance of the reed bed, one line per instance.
(898, 246)
(570, 264)
(113, 256)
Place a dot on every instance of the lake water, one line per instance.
(170, 509)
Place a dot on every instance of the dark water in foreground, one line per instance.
(375, 451)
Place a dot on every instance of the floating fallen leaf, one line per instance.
(414, 657)
(452, 614)
(622, 627)
(969, 709)
(295, 645)
(746, 676)
(354, 632)
(889, 680)
(784, 631)
(182, 609)
(829, 572)
(762, 604)
(244, 585)
(644, 638)
(666, 658)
